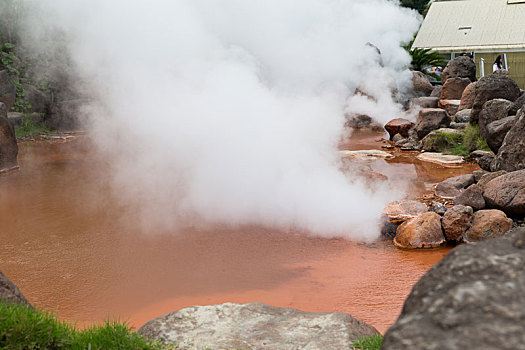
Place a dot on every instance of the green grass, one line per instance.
(22, 327)
(473, 140)
(29, 128)
(461, 145)
(368, 343)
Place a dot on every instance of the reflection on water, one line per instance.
(66, 246)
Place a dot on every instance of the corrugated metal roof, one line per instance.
(470, 25)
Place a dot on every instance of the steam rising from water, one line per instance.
(231, 111)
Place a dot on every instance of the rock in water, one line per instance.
(421, 232)
(10, 293)
(403, 210)
(487, 224)
(255, 326)
(456, 221)
(507, 192)
(8, 145)
(472, 299)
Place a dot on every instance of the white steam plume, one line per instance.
(231, 111)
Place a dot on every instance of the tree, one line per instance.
(418, 5)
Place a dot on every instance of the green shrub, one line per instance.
(368, 343)
(22, 327)
(28, 127)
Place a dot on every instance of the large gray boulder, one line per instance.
(474, 298)
(460, 67)
(453, 88)
(511, 154)
(507, 192)
(9, 292)
(40, 101)
(497, 130)
(492, 110)
(421, 84)
(490, 87)
(430, 119)
(472, 196)
(8, 145)
(255, 326)
(7, 90)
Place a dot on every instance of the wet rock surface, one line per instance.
(399, 126)
(255, 326)
(487, 224)
(424, 231)
(404, 209)
(456, 221)
(439, 158)
(507, 192)
(474, 298)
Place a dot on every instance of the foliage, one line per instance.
(368, 343)
(447, 143)
(14, 66)
(473, 140)
(418, 5)
(22, 327)
(28, 127)
(423, 58)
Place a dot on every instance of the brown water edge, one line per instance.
(62, 245)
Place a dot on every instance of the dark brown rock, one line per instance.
(478, 174)
(487, 224)
(467, 97)
(423, 231)
(453, 88)
(255, 326)
(7, 90)
(484, 158)
(9, 292)
(421, 84)
(518, 104)
(490, 87)
(474, 298)
(492, 110)
(511, 154)
(462, 67)
(472, 197)
(507, 192)
(430, 119)
(399, 126)
(456, 221)
(8, 145)
(497, 130)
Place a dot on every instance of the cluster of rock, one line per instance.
(493, 102)
(484, 203)
(474, 298)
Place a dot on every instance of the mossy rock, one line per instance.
(443, 140)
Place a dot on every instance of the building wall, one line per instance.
(515, 60)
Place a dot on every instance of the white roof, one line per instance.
(473, 25)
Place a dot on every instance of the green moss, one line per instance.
(368, 343)
(473, 140)
(22, 327)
